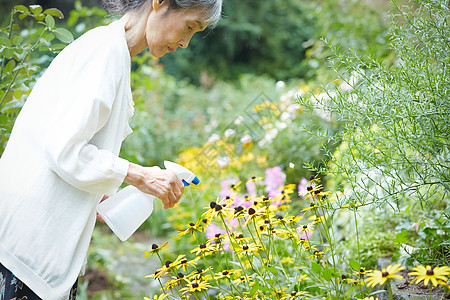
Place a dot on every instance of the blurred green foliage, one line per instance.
(257, 37)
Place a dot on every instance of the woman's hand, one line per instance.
(163, 184)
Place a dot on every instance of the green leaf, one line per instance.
(21, 8)
(22, 16)
(39, 17)
(17, 40)
(10, 66)
(271, 270)
(54, 12)
(50, 21)
(354, 264)
(5, 41)
(36, 9)
(58, 46)
(402, 236)
(316, 267)
(326, 274)
(63, 35)
(254, 289)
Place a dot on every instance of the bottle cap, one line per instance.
(196, 180)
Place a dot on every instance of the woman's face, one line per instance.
(167, 30)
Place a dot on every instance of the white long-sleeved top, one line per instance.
(62, 157)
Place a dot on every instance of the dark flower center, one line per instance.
(293, 293)
(309, 188)
(154, 246)
(251, 211)
(205, 221)
(227, 197)
(217, 235)
(430, 272)
(266, 221)
(266, 198)
(253, 178)
(280, 218)
(385, 274)
(195, 285)
(311, 178)
(180, 275)
(240, 236)
(184, 261)
(191, 224)
(245, 247)
(218, 207)
(225, 273)
(199, 271)
(305, 226)
(232, 186)
(202, 246)
(212, 204)
(343, 276)
(255, 203)
(261, 227)
(168, 262)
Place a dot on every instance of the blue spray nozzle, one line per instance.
(185, 183)
(196, 180)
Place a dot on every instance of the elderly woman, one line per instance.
(62, 156)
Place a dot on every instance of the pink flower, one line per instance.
(274, 180)
(415, 226)
(251, 187)
(304, 235)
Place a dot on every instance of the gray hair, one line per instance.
(213, 8)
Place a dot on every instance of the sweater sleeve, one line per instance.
(87, 83)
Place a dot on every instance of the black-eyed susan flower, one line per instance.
(157, 297)
(294, 294)
(225, 274)
(379, 277)
(176, 280)
(192, 228)
(426, 274)
(155, 249)
(250, 249)
(185, 263)
(302, 277)
(195, 286)
(158, 274)
(316, 255)
(205, 249)
(171, 265)
(197, 274)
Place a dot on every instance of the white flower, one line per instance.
(291, 165)
(280, 84)
(229, 132)
(223, 161)
(246, 139)
(213, 138)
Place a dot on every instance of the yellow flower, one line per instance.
(369, 298)
(156, 297)
(191, 228)
(430, 274)
(225, 274)
(248, 249)
(380, 277)
(205, 249)
(294, 295)
(195, 286)
(155, 248)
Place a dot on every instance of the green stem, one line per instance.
(431, 289)
(391, 296)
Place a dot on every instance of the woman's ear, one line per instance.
(157, 4)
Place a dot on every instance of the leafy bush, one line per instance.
(18, 69)
(395, 142)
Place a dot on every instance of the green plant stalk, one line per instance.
(257, 272)
(162, 263)
(240, 262)
(208, 266)
(431, 289)
(391, 296)
(234, 287)
(21, 62)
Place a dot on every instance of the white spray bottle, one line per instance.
(125, 211)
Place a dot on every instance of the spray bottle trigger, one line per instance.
(185, 183)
